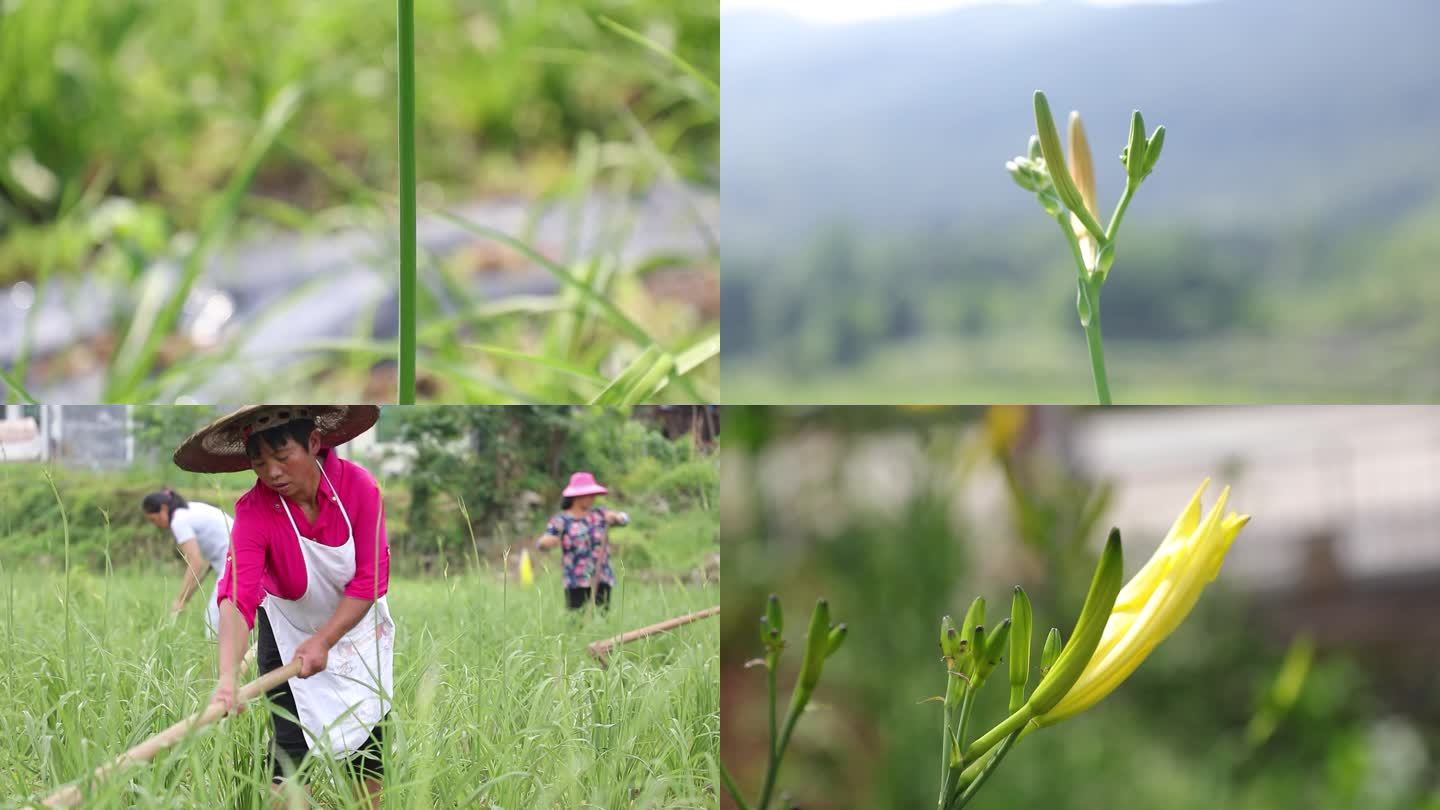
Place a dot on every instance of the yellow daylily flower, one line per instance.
(1155, 601)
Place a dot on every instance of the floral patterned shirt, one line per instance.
(585, 547)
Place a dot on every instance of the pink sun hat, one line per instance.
(583, 483)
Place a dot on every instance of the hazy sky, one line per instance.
(843, 11)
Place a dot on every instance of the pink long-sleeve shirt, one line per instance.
(265, 555)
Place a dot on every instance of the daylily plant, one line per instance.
(822, 639)
(1117, 629)
(1066, 190)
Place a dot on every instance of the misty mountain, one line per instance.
(1276, 110)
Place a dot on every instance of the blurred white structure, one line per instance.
(1337, 493)
(96, 436)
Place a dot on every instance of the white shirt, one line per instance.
(208, 526)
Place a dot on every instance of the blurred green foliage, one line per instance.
(1201, 312)
(152, 101)
(488, 456)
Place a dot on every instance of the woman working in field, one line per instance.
(309, 567)
(202, 532)
(581, 530)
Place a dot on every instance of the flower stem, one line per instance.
(958, 704)
(967, 707)
(770, 683)
(974, 787)
(733, 788)
(406, 359)
(1091, 290)
(1088, 302)
(1119, 214)
(772, 773)
(990, 738)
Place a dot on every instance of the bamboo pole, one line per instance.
(601, 649)
(69, 796)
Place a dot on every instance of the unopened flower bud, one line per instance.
(1051, 650)
(816, 642)
(837, 638)
(774, 614)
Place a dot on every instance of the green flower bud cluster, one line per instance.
(1030, 173)
(972, 654)
(822, 640)
(1064, 186)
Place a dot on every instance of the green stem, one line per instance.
(953, 770)
(956, 695)
(733, 788)
(770, 682)
(973, 771)
(1094, 342)
(1119, 211)
(406, 359)
(772, 774)
(1089, 291)
(989, 768)
(992, 737)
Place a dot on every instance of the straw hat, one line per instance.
(583, 483)
(220, 445)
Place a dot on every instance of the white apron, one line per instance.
(344, 702)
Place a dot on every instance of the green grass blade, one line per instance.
(617, 318)
(697, 355)
(711, 86)
(407, 202)
(542, 361)
(14, 385)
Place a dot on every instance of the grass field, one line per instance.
(497, 704)
(1027, 368)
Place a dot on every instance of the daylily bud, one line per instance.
(1024, 179)
(1021, 618)
(1082, 167)
(816, 641)
(995, 647)
(774, 614)
(949, 639)
(1055, 161)
(1033, 148)
(1135, 152)
(1051, 652)
(1088, 629)
(837, 637)
(974, 617)
(977, 647)
(1050, 202)
(1152, 151)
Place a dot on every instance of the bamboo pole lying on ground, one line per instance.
(602, 649)
(69, 796)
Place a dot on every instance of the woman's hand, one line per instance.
(314, 655)
(227, 697)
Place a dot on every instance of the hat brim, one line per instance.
(220, 446)
(580, 492)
